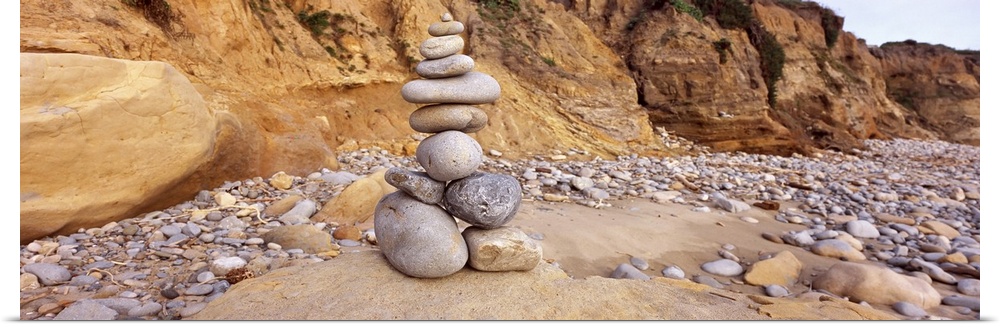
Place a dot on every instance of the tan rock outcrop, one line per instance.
(938, 84)
(102, 138)
(357, 202)
(782, 269)
(380, 292)
(876, 285)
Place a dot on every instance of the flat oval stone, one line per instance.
(446, 67)
(448, 117)
(723, 267)
(418, 239)
(468, 88)
(416, 184)
(446, 28)
(449, 155)
(441, 46)
(484, 200)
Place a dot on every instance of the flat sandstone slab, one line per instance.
(362, 286)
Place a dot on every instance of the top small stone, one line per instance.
(446, 17)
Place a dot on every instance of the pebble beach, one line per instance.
(911, 206)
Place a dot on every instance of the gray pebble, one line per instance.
(300, 213)
(776, 291)
(205, 276)
(627, 271)
(170, 230)
(723, 267)
(673, 272)
(962, 301)
(48, 274)
(120, 305)
(199, 289)
(148, 309)
(192, 309)
(968, 286)
(909, 309)
(639, 263)
(86, 310)
(348, 243)
(708, 280)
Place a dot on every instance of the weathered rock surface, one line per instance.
(416, 184)
(306, 237)
(128, 132)
(501, 249)
(380, 292)
(484, 200)
(835, 248)
(873, 284)
(782, 269)
(357, 202)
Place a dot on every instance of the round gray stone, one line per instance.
(639, 263)
(962, 301)
(86, 310)
(199, 289)
(449, 155)
(708, 280)
(723, 267)
(484, 200)
(909, 309)
(627, 271)
(48, 273)
(446, 28)
(416, 184)
(192, 309)
(419, 239)
(441, 46)
(776, 290)
(861, 229)
(170, 230)
(674, 272)
(968, 286)
(468, 88)
(445, 67)
(447, 117)
(147, 309)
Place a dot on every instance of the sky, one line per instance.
(954, 23)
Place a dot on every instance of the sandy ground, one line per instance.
(592, 242)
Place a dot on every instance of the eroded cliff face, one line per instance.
(292, 82)
(937, 84)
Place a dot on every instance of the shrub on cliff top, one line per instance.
(156, 11)
(730, 14)
(687, 8)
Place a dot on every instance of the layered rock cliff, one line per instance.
(289, 83)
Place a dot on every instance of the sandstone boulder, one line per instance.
(102, 138)
(782, 269)
(357, 202)
(876, 285)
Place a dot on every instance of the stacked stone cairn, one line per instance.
(416, 226)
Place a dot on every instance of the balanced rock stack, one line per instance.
(416, 226)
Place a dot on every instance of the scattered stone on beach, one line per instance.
(639, 263)
(501, 249)
(909, 309)
(708, 280)
(49, 273)
(861, 229)
(419, 239)
(835, 248)
(86, 310)
(674, 272)
(968, 286)
(627, 271)
(776, 291)
(962, 301)
(781, 269)
(308, 238)
(878, 285)
(723, 267)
